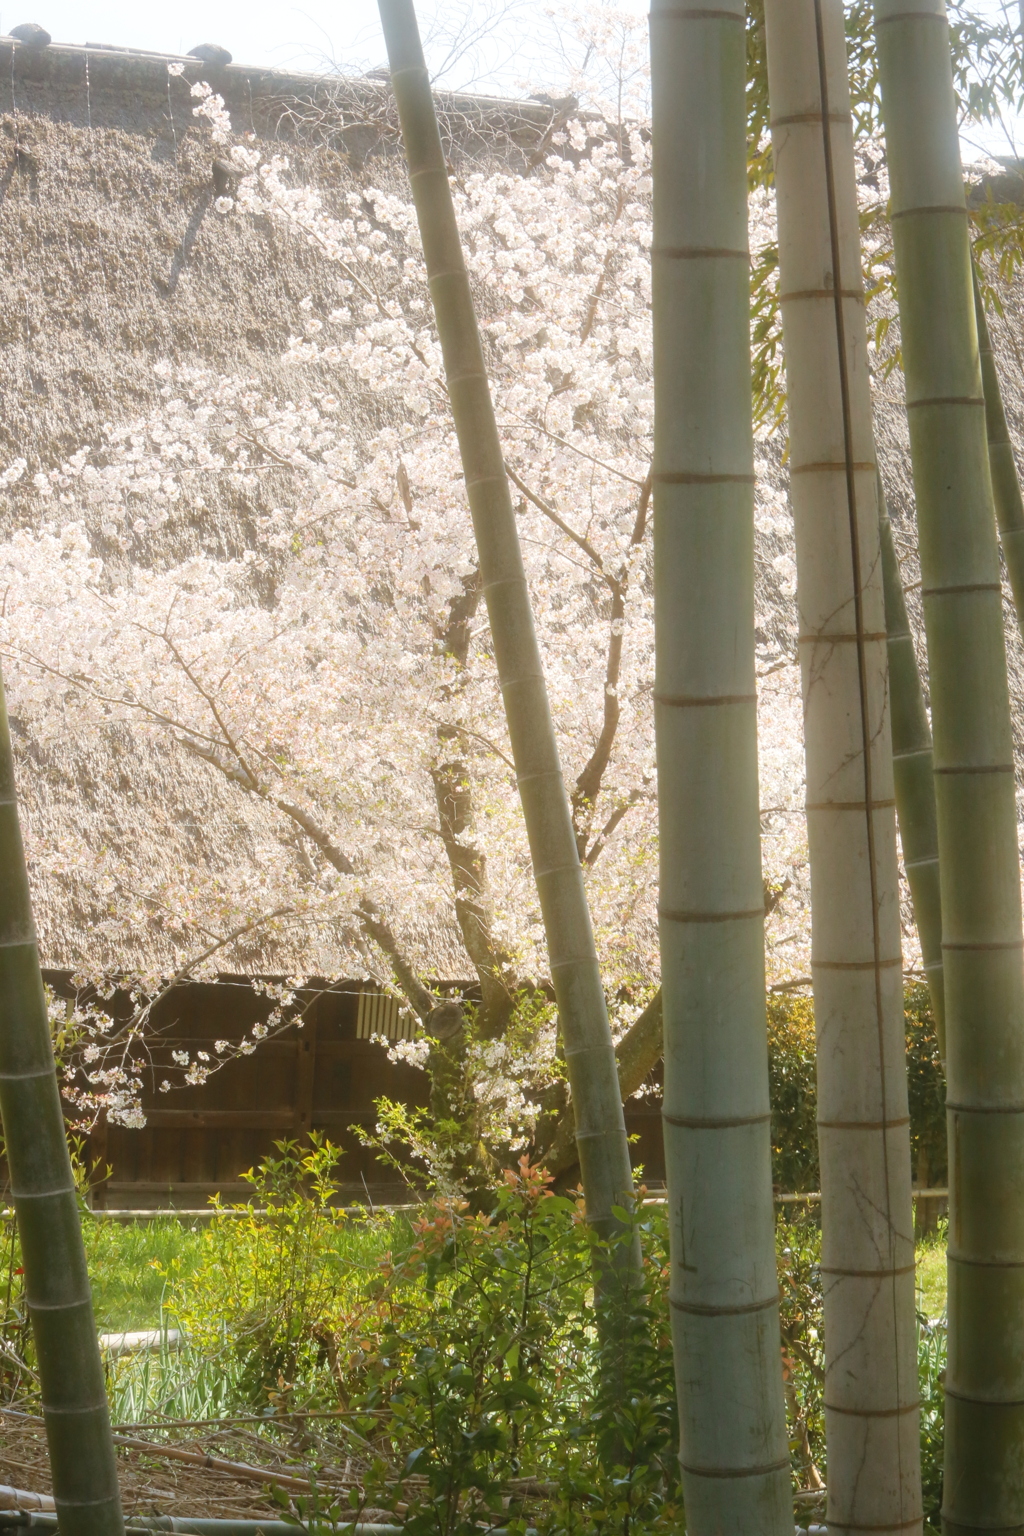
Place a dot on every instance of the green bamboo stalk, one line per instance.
(913, 784)
(589, 1054)
(724, 1286)
(82, 1461)
(871, 1391)
(1003, 466)
(974, 780)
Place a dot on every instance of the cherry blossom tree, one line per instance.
(321, 648)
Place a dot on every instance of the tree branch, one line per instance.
(636, 1055)
(379, 930)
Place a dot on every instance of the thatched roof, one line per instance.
(114, 259)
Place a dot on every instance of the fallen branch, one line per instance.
(236, 1469)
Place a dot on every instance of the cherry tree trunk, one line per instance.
(871, 1390)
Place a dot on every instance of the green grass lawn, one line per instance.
(125, 1259)
(931, 1275)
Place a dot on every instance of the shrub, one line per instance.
(268, 1281)
(926, 1088)
(466, 1358)
(793, 1093)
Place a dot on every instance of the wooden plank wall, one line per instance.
(198, 1141)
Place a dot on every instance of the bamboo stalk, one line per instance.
(871, 1391)
(716, 1114)
(1006, 493)
(974, 780)
(82, 1462)
(913, 784)
(589, 1054)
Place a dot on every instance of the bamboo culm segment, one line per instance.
(1009, 504)
(871, 1389)
(589, 1054)
(913, 781)
(724, 1285)
(974, 782)
(82, 1461)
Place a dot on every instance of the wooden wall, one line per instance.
(198, 1141)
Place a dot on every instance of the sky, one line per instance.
(498, 41)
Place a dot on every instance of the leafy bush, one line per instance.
(467, 1357)
(16, 1374)
(931, 1365)
(798, 1240)
(926, 1088)
(793, 1092)
(268, 1281)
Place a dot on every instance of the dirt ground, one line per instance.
(152, 1485)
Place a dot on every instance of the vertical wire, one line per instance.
(170, 119)
(862, 679)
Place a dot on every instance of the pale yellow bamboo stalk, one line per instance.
(871, 1392)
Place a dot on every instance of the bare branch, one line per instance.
(534, 426)
(597, 846)
(548, 510)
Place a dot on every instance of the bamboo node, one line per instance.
(697, 252)
(713, 1123)
(711, 917)
(949, 592)
(888, 1525)
(905, 213)
(913, 405)
(838, 466)
(41, 1194)
(681, 13)
(822, 293)
(849, 805)
(693, 701)
(762, 1471)
(869, 1274)
(979, 944)
(881, 21)
(847, 639)
(986, 1109)
(862, 1125)
(858, 965)
(700, 1309)
(977, 768)
(811, 117)
(987, 1402)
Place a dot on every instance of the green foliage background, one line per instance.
(793, 1094)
